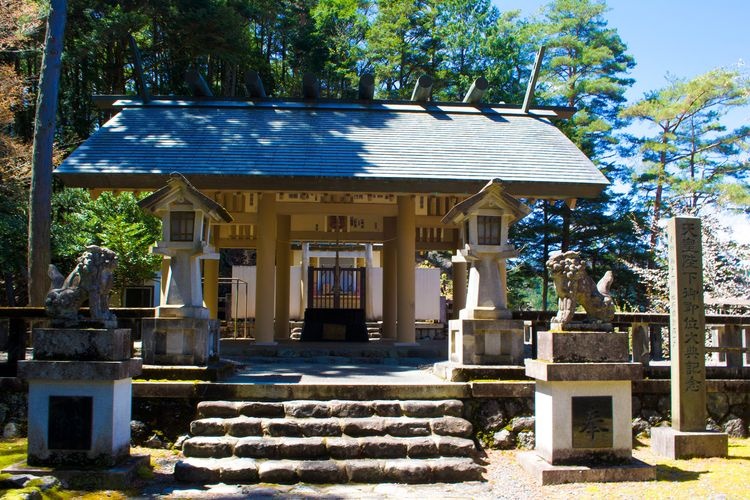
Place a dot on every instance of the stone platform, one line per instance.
(674, 444)
(120, 477)
(545, 473)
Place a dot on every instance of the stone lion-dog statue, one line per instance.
(574, 286)
(91, 279)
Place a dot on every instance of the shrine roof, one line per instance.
(333, 145)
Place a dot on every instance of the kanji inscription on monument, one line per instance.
(687, 324)
(592, 421)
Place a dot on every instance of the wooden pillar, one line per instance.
(389, 278)
(264, 278)
(303, 278)
(281, 324)
(406, 248)
(211, 287)
(459, 287)
(729, 336)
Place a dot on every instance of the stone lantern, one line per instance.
(484, 332)
(176, 336)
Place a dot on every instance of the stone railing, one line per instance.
(649, 335)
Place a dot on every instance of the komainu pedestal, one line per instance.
(583, 409)
(79, 396)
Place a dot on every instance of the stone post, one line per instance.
(459, 285)
(640, 342)
(687, 437)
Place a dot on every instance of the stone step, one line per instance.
(249, 470)
(317, 448)
(333, 408)
(331, 426)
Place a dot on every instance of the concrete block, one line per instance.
(321, 471)
(485, 341)
(302, 448)
(238, 470)
(282, 472)
(406, 427)
(421, 447)
(670, 443)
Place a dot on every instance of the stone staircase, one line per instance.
(412, 441)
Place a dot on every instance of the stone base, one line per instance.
(210, 373)
(485, 341)
(179, 341)
(670, 443)
(545, 473)
(457, 372)
(119, 477)
(82, 344)
(583, 346)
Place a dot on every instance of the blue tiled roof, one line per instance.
(406, 142)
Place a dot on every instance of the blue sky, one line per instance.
(684, 38)
(681, 37)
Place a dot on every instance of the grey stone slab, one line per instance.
(219, 409)
(365, 471)
(451, 407)
(302, 409)
(671, 443)
(282, 427)
(321, 471)
(196, 470)
(238, 471)
(383, 447)
(118, 477)
(362, 426)
(387, 408)
(243, 426)
(452, 470)
(406, 427)
(452, 446)
(257, 447)
(208, 427)
(567, 372)
(343, 448)
(451, 426)
(545, 473)
(79, 370)
(583, 347)
(408, 471)
(421, 409)
(209, 447)
(302, 448)
(261, 409)
(82, 344)
(421, 447)
(320, 427)
(281, 471)
(356, 409)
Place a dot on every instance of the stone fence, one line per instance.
(728, 341)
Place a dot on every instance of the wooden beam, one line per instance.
(436, 245)
(353, 237)
(244, 217)
(235, 243)
(305, 208)
(422, 89)
(197, 83)
(310, 86)
(476, 91)
(571, 202)
(532, 80)
(140, 80)
(254, 85)
(366, 87)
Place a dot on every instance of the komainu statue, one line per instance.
(91, 279)
(574, 286)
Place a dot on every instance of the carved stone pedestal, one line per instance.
(79, 397)
(485, 341)
(583, 409)
(179, 341)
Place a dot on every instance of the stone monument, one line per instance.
(583, 387)
(182, 332)
(688, 436)
(80, 381)
(485, 333)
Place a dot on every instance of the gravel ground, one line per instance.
(715, 478)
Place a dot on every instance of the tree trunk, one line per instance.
(40, 203)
